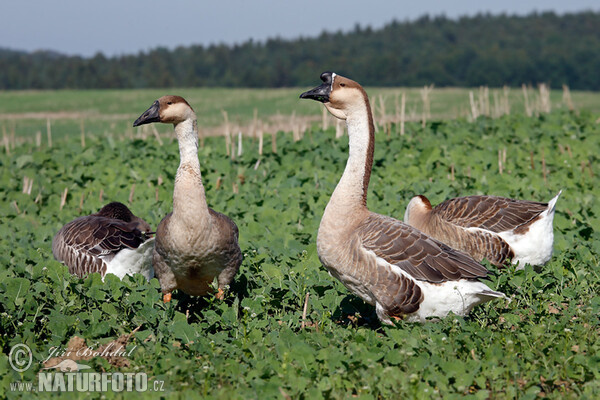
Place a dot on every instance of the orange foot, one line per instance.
(166, 297)
(220, 294)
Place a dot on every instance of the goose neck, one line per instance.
(189, 200)
(187, 136)
(351, 191)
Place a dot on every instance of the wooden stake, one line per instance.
(531, 159)
(497, 109)
(382, 113)
(474, 111)
(528, 110)
(49, 133)
(567, 98)
(254, 122)
(131, 192)
(545, 105)
(101, 196)
(227, 133)
(239, 152)
(63, 198)
(82, 126)
(500, 161)
(274, 142)
(260, 139)
(14, 203)
(324, 120)
(218, 184)
(27, 185)
(81, 201)
(506, 89)
(38, 139)
(544, 173)
(402, 113)
(486, 100)
(304, 310)
(426, 104)
(6, 141)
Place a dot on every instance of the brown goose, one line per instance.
(389, 264)
(111, 241)
(194, 244)
(489, 227)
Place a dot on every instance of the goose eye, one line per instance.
(342, 84)
(169, 102)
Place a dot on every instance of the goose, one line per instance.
(194, 244)
(495, 228)
(111, 241)
(403, 272)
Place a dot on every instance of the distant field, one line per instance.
(24, 113)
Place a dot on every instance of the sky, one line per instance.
(116, 27)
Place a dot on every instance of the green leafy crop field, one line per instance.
(545, 342)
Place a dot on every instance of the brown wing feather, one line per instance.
(496, 214)
(86, 243)
(419, 255)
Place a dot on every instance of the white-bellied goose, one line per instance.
(194, 244)
(389, 264)
(111, 241)
(488, 227)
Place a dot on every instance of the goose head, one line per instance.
(340, 95)
(116, 210)
(168, 110)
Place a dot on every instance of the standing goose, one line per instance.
(489, 227)
(194, 244)
(111, 241)
(389, 264)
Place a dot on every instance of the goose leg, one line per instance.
(167, 297)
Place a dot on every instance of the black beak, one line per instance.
(320, 93)
(150, 115)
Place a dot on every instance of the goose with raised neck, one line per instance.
(498, 229)
(391, 265)
(194, 244)
(111, 241)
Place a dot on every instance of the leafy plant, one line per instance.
(255, 343)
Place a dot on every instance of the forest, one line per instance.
(485, 49)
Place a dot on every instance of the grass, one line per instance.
(113, 111)
(255, 344)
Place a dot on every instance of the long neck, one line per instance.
(350, 194)
(189, 200)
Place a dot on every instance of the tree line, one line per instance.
(485, 49)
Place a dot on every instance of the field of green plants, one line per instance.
(256, 343)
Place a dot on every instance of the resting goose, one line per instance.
(194, 244)
(489, 227)
(387, 263)
(111, 241)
